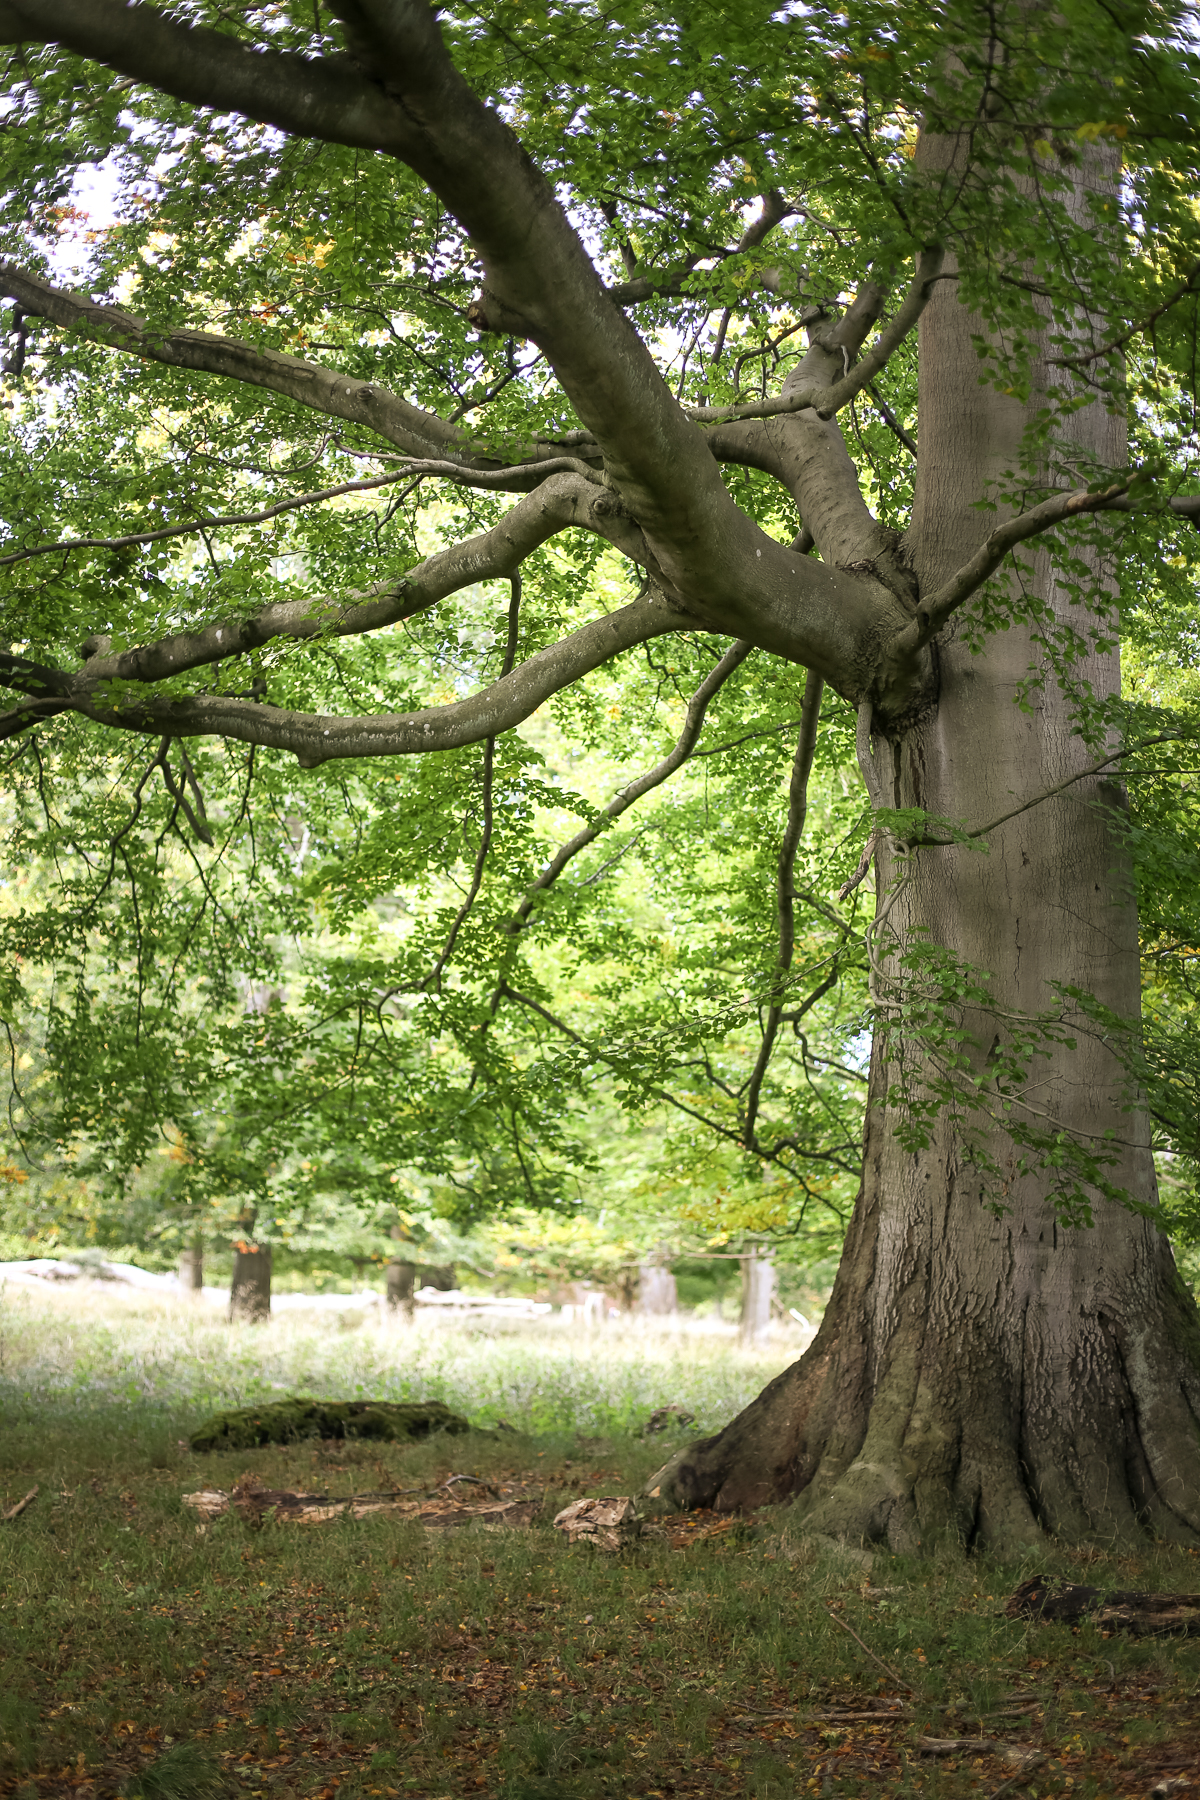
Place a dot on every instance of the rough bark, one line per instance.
(989, 1378)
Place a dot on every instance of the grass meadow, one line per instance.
(144, 1655)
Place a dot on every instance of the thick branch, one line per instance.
(329, 99)
(697, 707)
(326, 391)
(560, 502)
(826, 399)
(539, 282)
(315, 738)
(933, 613)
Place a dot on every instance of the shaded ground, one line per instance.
(381, 1657)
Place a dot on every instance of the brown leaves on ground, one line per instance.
(385, 1657)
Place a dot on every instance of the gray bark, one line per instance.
(758, 1290)
(656, 1290)
(250, 1292)
(989, 1379)
(400, 1280)
(191, 1267)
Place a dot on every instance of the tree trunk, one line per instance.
(989, 1377)
(400, 1279)
(657, 1293)
(191, 1266)
(250, 1294)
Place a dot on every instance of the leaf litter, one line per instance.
(386, 1657)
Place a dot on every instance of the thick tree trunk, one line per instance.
(250, 1294)
(986, 1377)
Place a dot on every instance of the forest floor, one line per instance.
(147, 1653)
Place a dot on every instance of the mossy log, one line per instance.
(284, 1421)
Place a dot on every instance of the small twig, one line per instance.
(898, 1679)
(14, 1512)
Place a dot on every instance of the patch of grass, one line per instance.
(376, 1660)
(182, 1772)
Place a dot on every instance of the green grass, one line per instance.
(174, 1361)
(356, 1660)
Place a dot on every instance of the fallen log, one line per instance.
(1112, 1609)
(257, 1504)
(286, 1421)
(1018, 1756)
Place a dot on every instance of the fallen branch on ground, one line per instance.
(1145, 1615)
(14, 1512)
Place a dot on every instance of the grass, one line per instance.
(142, 1657)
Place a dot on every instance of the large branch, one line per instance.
(539, 282)
(827, 398)
(936, 611)
(331, 99)
(316, 738)
(813, 460)
(561, 502)
(406, 98)
(326, 391)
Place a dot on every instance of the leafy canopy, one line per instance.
(307, 979)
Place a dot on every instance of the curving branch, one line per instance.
(559, 503)
(828, 398)
(806, 746)
(401, 93)
(1085, 358)
(693, 723)
(434, 977)
(329, 99)
(322, 390)
(316, 738)
(193, 526)
(496, 481)
(933, 613)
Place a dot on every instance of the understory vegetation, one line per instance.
(144, 1655)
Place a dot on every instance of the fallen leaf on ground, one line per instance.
(609, 1523)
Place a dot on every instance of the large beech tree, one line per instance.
(866, 338)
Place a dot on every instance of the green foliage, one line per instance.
(239, 996)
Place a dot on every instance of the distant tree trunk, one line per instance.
(401, 1277)
(758, 1290)
(250, 1294)
(437, 1275)
(656, 1290)
(191, 1266)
